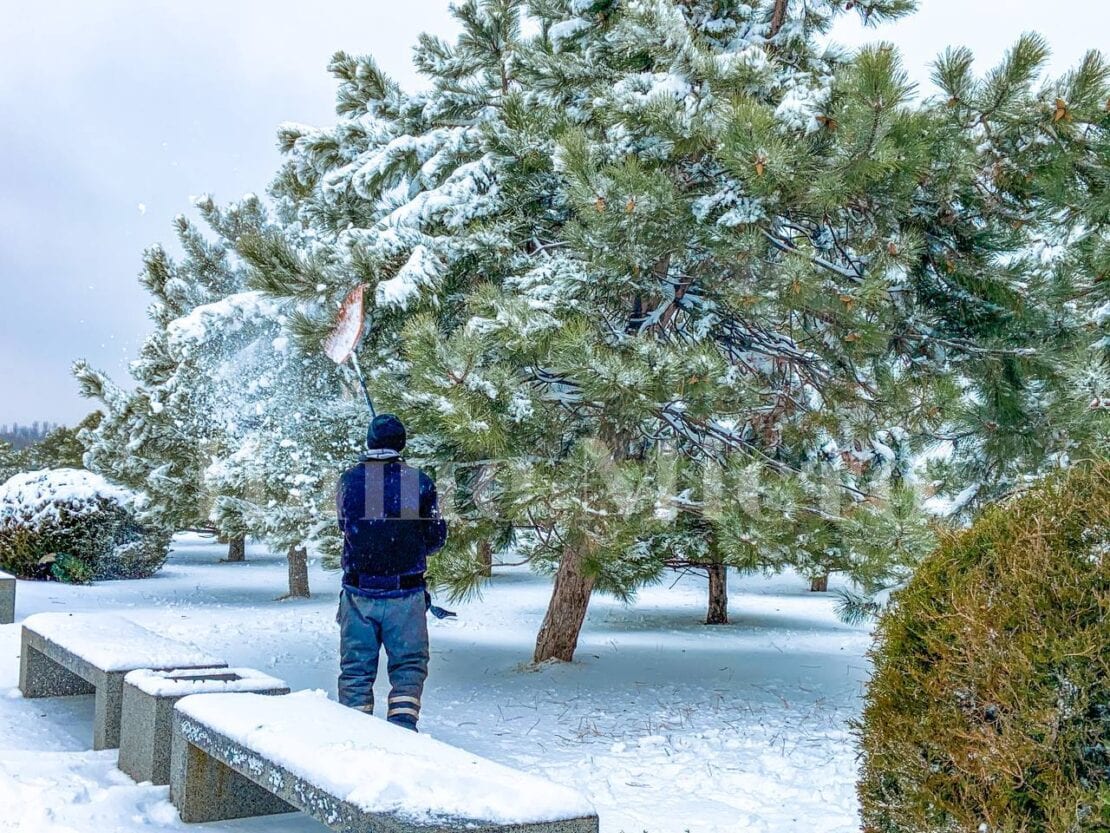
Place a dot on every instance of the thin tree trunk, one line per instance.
(485, 558)
(718, 595)
(237, 548)
(819, 584)
(298, 573)
(566, 612)
(778, 17)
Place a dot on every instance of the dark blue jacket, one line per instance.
(390, 521)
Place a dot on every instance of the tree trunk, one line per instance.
(819, 584)
(298, 573)
(778, 17)
(718, 595)
(570, 597)
(237, 548)
(485, 558)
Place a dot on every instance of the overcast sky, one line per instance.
(116, 112)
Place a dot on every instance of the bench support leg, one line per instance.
(109, 709)
(7, 600)
(40, 676)
(204, 789)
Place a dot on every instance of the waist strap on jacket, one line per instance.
(362, 581)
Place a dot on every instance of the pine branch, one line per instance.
(856, 609)
(787, 246)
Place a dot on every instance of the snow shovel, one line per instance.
(342, 342)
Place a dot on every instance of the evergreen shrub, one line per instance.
(989, 708)
(72, 525)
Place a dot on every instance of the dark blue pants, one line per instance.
(401, 627)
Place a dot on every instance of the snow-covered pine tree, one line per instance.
(158, 436)
(655, 227)
(1016, 265)
(395, 194)
(407, 195)
(855, 180)
(228, 420)
(286, 423)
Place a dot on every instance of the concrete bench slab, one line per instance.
(7, 598)
(146, 728)
(238, 755)
(63, 654)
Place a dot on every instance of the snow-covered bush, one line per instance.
(73, 525)
(989, 708)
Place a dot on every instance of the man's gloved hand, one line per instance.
(437, 612)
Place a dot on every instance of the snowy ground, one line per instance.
(666, 724)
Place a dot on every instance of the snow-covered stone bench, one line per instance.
(63, 654)
(149, 696)
(238, 755)
(7, 598)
